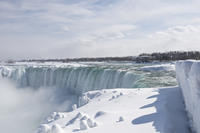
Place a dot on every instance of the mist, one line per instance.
(22, 109)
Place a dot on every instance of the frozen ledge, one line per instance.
(188, 77)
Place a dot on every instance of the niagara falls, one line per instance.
(40, 94)
(99, 66)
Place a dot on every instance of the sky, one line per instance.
(96, 28)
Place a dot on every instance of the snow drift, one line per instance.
(188, 77)
(147, 110)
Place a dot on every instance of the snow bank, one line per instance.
(148, 110)
(188, 76)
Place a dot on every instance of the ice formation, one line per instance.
(188, 76)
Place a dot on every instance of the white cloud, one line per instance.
(74, 28)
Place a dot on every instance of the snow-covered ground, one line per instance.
(147, 110)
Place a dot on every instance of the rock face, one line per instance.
(188, 77)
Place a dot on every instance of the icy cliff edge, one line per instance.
(188, 77)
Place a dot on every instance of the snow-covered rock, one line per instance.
(120, 119)
(56, 129)
(77, 117)
(188, 76)
(54, 116)
(83, 125)
(44, 128)
(91, 123)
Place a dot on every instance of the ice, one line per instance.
(188, 76)
(84, 99)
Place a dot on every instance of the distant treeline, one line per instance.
(144, 57)
(98, 59)
(169, 56)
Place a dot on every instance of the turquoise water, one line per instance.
(145, 79)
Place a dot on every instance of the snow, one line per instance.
(188, 76)
(131, 110)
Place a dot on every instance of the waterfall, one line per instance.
(73, 79)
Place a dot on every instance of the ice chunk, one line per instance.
(74, 107)
(83, 100)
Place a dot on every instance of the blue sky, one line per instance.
(90, 28)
